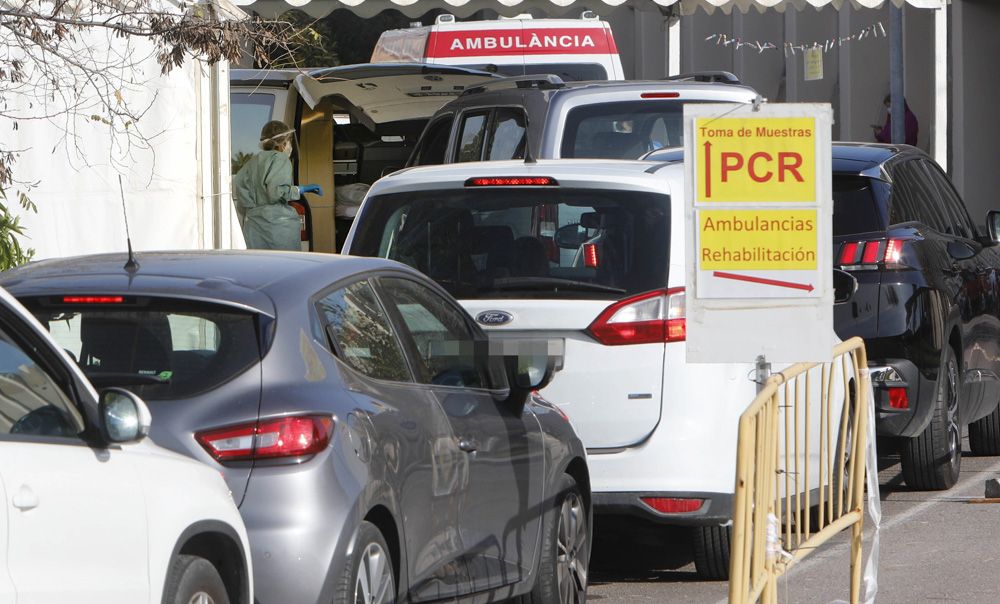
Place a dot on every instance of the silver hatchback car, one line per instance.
(377, 450)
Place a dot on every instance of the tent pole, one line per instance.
(897, 76)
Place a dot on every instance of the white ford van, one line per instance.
(590, 252)
(573, 49)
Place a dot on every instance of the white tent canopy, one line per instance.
(464, 8)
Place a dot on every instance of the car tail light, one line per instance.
(301, 211)
(270, 439)
(648, 318)
(898, 399)
(871, 254)
(673, 505)
(512, 181)
(660, 95)
(93, 299)
(590, 255)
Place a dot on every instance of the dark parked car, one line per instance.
(927, 304)
(373, 445)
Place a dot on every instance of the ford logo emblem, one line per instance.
(494, 317)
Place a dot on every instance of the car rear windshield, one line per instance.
(855, 205)
(623, 130)
(508, 242)
(159, 349)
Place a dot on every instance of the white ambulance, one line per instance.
(573, 49)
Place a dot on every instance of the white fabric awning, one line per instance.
(553, 8)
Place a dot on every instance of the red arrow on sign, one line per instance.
(803, 286)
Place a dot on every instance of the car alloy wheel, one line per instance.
(374, 584)
(571, 561)
(201, 598)
(954, 428)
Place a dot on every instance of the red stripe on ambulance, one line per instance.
(537, 41)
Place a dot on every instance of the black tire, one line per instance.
(711, 552)
(932, 461)
(984, 434)
(194, 580)
(369, 569)
(565, 558)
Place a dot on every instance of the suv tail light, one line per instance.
(649, 318)
(270, 439)
(871, 254)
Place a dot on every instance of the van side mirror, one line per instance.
(844, 286)
(993, 225)
(124, 416)
(571, 236)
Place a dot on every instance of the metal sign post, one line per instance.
(759, 232)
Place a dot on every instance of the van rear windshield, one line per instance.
(158, 348)
(505, 242)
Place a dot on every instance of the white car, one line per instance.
(590, 252)
(92, 511)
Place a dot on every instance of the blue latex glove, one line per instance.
(311, 189)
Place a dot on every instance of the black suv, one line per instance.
(927, 305)
(601, 120)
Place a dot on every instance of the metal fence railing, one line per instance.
(800, 471)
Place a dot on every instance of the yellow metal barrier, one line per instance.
(800, 471)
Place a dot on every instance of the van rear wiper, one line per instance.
(554, 283)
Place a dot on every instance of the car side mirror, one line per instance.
(125, 417)
(993, 225)
(530, 364)
(571, 236)
(844, 286)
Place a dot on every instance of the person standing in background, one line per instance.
(883, 133)
(263, 188)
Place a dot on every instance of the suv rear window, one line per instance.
(159, 349)
(503, 242)
(855, 205)
(623, 130)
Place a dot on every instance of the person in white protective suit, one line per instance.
(263, 188)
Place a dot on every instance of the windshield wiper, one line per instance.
(103, 379)
(554, 283)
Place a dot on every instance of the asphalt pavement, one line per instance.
(935, 547)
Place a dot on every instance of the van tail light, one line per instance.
(660, 95)
(301, 211)
(93, 299)
(270, 439)
(673, 505)
(590, 255)
(871, 254)
(649, 318)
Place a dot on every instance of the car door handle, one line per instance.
(25, 499)
(468, 445)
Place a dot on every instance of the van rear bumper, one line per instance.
(716, 508)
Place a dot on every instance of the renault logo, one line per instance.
(494, 317)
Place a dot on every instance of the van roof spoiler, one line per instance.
(721, 77)
(546, 81)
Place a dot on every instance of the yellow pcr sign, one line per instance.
(755, 160)
(757, 239)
